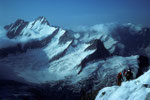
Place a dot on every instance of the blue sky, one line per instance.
(70, 13)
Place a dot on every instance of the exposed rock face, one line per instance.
(133, 42)
(143, 63)
(42, 19)
(88, 61)
(100, 53)
(66, 37)
(15, 28)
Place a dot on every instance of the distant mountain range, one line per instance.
(37, 52)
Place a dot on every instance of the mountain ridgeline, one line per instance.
(75, 62)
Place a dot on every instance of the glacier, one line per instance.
(37, 53)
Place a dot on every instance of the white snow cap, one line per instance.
(37, 29)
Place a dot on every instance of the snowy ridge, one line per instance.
(88, 60)
(22, 28)
(109, 42)
(68, 64)
(111, 66)
(119, 39)
(36, 30)
(54, 48)
(22, 32)
(138, 89)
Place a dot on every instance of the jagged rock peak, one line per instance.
(15, 28)
(18, 22)
(43, 20)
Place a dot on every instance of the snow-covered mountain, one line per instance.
(38, 52)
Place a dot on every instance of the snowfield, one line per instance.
(138, 89)
(37, 52)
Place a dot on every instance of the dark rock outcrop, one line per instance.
(15, 28)
(134, 42)
(42, 19)
(65, 37)
(143, 63)
(100, 53)
(61, 54)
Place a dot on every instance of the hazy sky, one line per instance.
(70, 13)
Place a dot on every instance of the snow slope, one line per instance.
(42, 53)
(59, 56)
(18, 33)
(138, 89)
(36, 30)
(54, 61)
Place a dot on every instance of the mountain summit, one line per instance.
(85, 61)
(16, 29)
(42, 20)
